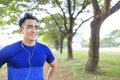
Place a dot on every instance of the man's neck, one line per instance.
(28, 43)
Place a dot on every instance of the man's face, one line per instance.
(30, 29)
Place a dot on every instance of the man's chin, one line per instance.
(33, 39)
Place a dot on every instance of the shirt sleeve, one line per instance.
(2, 61)
(50, 56)
(4, 55)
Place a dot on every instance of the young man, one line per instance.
(25, 59)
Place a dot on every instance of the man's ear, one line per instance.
(20, 30)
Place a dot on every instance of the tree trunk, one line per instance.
(61, 45)
(57, 44)
(69, 40)
(92, 63)
(99, 17)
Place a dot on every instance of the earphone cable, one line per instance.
(30, 55)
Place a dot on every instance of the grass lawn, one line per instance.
(109, 64)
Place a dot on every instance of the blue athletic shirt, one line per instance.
(24, 65)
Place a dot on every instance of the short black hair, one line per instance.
(27, 16)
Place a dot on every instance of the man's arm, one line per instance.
(51, 70)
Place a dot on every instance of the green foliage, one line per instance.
(5, 2)
(110, 40)
(11, 11)
(51, 34)
(116, 33)
(50, 37)
(44, 1)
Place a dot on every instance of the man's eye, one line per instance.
(37, 27)
(29, 26)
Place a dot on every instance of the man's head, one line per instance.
(27, 16)
(29, 27)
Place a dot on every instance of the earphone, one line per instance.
(30, 55)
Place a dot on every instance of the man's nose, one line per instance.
(34, 29)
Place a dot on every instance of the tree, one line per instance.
(11, 11)
(50, 24)
(70, 9)
(100, 14)
(51, 34)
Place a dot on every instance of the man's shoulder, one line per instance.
(41, 44)
(13, 45)
(11, 48)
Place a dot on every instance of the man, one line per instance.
(25, 59)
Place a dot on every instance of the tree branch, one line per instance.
(74, 6)
(106, 8)
(86, 2)
(95, 7)
(64, 16)
(82, 23)
(69, 7)
(115, 8)
(54, 20)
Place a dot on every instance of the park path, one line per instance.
(3, 75)
(62, 72)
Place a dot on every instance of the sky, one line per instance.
(110, 24)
